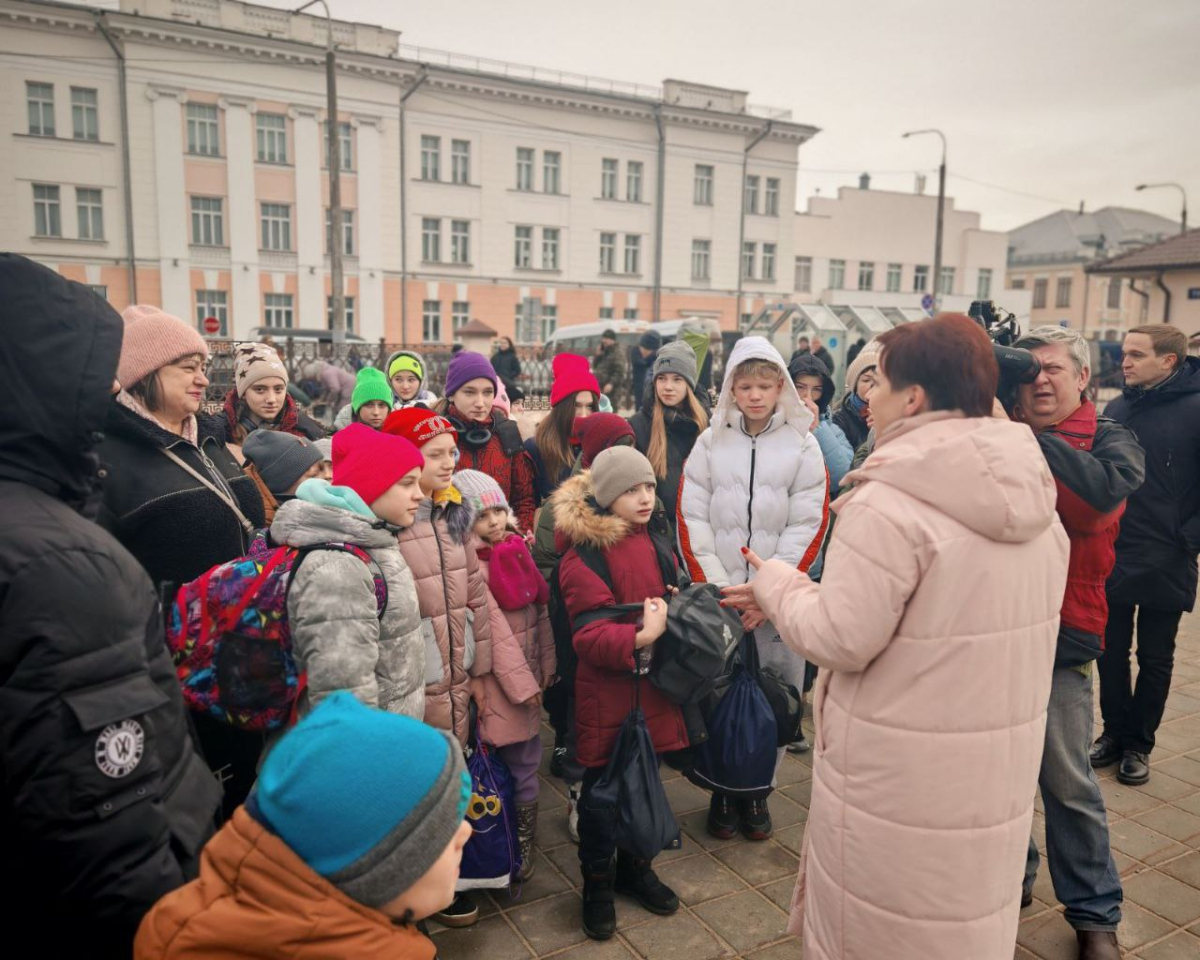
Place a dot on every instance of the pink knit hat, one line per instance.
(368, 462)
(152, 340)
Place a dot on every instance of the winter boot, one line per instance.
(599, 912)
(756, 819)
(722, 817)
(637, 879)
(527, 818)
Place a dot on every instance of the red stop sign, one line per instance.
(212, 325)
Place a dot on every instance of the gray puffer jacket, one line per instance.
(337, 635)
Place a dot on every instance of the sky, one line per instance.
(1044, 103)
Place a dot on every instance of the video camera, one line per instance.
(1016, 365)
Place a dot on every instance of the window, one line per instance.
(1114, 293)
(213, 303)
(208, 226)
(348, 303)
(633, 253)
(1018, 284)
(1062, 292)
(47, 216)
(89, 204)
(606, 313)
(277, 309)
(701, 250)
(271, 131)
(431, 321)
(100, 289)
(893, 277)
(552, 171)
(202, 129)
(749, 255)
(460, 315)
(630, 313)
(85, 118)
(346, 145)
(431, 239)
(40, 99)
(608, 253)
(633, 181)
(866, 275)
(768, 262)
(702, 186)
(837, 274)
(751, 194)
(431, 158)
(946, 284)
(608, 179)
(803, 280)
(920, 278)
(347, 231)
(460, 161)
(523, 252)
(550, 248)
(983, 285)
(549, 320)
(460, 241)
(276, 226)
(1039, 293)
(524, 168)
(771, 197)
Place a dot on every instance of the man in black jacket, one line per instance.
(105, 802)
(1156, 550)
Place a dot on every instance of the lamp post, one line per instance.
(1177, 186)
(941, 208)
(338, 299)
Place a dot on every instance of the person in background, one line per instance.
(337, 385)
(851, 414)
(371, 401)
(325, 445)
(574, 393)
(506, 363)
(855, 349)
(802, 348)
(279, 463)
(611, 367)
(641, 360)
(406, 375)
(815, 387)
(819, 351)
(260, 400)
(352, 836)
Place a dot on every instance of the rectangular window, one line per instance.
(524, 168)
(460, 161)
(346, 144)
(630, 313)
(1114, 293)
(866, 275)
(920, 278)
(100, 289)
(702, 186)
(701, 251)
(348, 302)
(837, 274)
(431, 239)
(751, 194)
(277, 310)
(39, 97)
(202, 135)
(771, 197)
(893, 277)
(85, 116)
(803, 280)
(749, 255)
(550, 248)
(608, 253)
(347, 231)
(551, 171)
(431, 158)
(983, 286)
(608, 179)
(47, 214)
(271, 131)
(1039, 293)
(276, 226)
(460, 241)
(523, 248)
(768, 262)
(431, 321)
(606, 313)
(946, 286)
(1018, 284)
(460, 315)
(633, 253)
(89, 204)
(633, 181)
(208, 224)
(1062, 292)
(549, 320)
(213, 303)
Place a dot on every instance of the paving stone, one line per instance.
(685, 796)
(1171, 822)
(1181, 946)
(1142, 843)
(1167, 742)
(1164, 787)
(1190, 804)
(1186, 868)
(550, 924)
(758, 863)
(566, 859)
(613, 949)
(700, 879)
(780, 892)
(1139, 926)
(490, 939)
(1126, 801)
(1165, 896)
(695, 826)
(1048, 937)
(545, 882)
(788, 949)
(630, 913)
(745, 920)
(552, 828)
(800, 792)
(680, 937)
(1182, 768)
(792, 770)
(785, 812)
(790, 838)
(1125, 865)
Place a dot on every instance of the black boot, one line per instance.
(756, 819)
(722, 817)
(1097, 945)
(1105, 751)
(599, 914)
(638, 879)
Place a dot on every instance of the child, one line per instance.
(755, 479)
(522, 654)
(815, 386)
(406, 376)
(279, 463)
(354, 832)
(608, 509)
(371, 401)
(325, 445)
(851, 415)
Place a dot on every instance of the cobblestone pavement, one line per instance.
(735, 894)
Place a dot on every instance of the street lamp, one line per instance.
(1177, 186)
(338, 318)
(937, 243)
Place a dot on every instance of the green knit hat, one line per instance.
(370, 384)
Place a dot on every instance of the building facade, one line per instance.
(1164, 276)
(175, 152)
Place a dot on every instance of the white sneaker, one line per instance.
(798, 746)
(573, 814)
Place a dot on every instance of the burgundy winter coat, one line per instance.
(604, 681)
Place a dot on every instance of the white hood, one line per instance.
(790, 411)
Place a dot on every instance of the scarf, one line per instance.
(449, 495)
(286, 422)
(858, 405)
(191, 429)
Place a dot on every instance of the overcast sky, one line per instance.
(1060, 100)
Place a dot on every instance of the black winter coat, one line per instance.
(853, 426)
(105, 803)
(507, 365)
(1160, 532)
(682, 433)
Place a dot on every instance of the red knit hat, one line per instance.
(368, 462)
(570, 375)
(417, 425)
(599, 432)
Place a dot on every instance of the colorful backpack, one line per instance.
(229, 635)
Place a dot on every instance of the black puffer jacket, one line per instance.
(105, 803)
(681, 437)
(1160, 532)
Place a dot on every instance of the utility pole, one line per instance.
(941, 210)
(1177, 186)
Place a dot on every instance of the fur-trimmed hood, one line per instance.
(579, 518)
(459, 517)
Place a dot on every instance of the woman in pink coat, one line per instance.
(934, 626)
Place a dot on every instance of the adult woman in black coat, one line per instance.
(506, 363)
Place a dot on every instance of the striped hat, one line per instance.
(479, 491)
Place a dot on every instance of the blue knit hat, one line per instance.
(368, 799)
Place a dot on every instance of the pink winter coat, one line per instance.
(934, 626)
(522, 665)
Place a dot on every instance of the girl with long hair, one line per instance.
(574, 394)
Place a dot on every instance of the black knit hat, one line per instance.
(651, 340)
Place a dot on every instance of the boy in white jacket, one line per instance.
(756, 478)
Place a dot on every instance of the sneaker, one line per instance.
(1105, 751)
(557, 759)
(461, 913)
(637, 879)
(599, 912)
(573, 814)
(756, 820)
(1134, 769)
(722, 817)
(798, 746)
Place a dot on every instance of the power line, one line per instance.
(1016, 193)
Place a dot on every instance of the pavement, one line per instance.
(735, 894)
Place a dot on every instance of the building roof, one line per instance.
(477, 328)
(1181, 252)
(1070, 236)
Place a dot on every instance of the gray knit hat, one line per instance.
(479, 490)
(280, 458)
(678, 358)
(325, 445)
(616, 471)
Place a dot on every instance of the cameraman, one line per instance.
(1096, 464)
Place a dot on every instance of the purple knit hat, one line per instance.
(465, 366)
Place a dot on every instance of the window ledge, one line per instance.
(699, 203)
(538, 193)
(446, 263)
(613, 273)
(204, 156)
(635, 203)
(544, 270)
(274, 163)
(453, 183)
(769, 216)
(767, 280)
(48, 236)
(55, 138)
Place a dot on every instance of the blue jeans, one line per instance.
(1085, 878)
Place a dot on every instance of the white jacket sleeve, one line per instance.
(697, 537)
(808, 509)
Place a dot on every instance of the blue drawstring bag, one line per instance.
(492, 856)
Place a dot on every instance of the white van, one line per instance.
(584, 338)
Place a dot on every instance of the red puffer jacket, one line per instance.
(515, 473)
(604, 681)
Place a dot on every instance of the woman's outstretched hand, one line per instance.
(741, 597)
